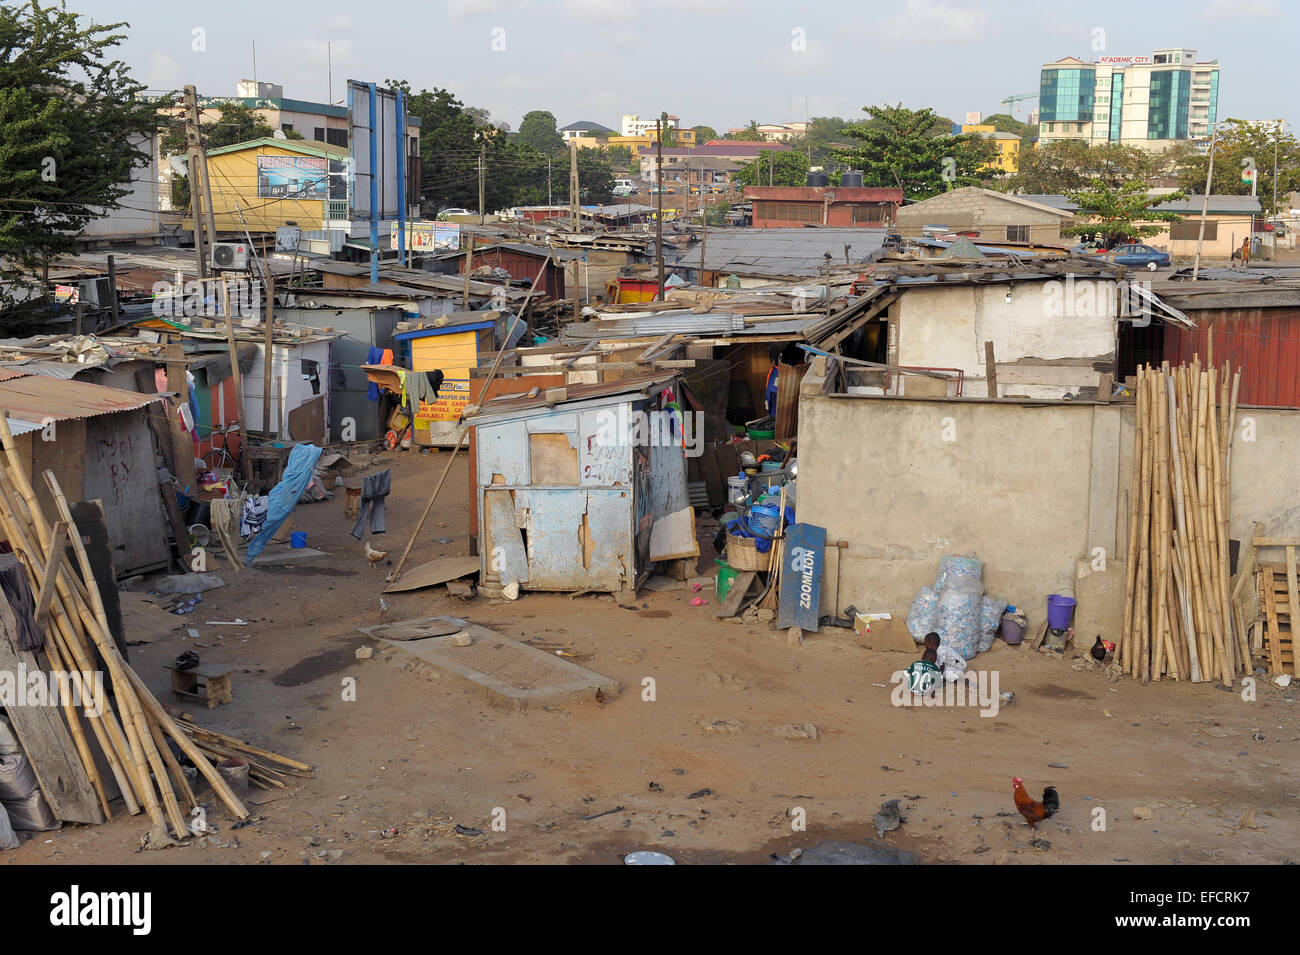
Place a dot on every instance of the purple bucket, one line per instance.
(1060, 610)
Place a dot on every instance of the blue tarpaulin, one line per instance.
(297, 474)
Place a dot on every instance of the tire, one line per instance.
(1152, 266)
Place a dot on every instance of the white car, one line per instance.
(624, 187)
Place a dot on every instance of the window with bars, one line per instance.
(868, 213)
(1017, 233)
(790, 211)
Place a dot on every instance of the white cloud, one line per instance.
(163, 73)
(462, 10)
(934, 21)
(619, 10)
(1241, 10)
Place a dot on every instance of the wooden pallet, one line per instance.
(1277, 587)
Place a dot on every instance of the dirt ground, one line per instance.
(1182, 773)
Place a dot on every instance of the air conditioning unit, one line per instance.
(230, 255)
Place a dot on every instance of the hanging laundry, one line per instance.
(374, 491)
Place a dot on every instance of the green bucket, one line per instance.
(726, 577)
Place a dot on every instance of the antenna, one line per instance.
(255, 88)
(329, 70)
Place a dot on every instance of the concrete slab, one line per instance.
(510, 673)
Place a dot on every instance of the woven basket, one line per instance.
(742, 554)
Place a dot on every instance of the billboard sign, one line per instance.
(1125, 60)
(390, 135)
(428, 236)
(292, 177)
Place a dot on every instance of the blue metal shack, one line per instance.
(572, 482)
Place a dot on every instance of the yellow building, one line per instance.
(276, 182)
(1008, 146)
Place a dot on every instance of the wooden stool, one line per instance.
(207, 681)
(352, 506)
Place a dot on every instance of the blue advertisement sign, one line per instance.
(293, 177)
(801, 577)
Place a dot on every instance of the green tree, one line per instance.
(715, 213)
(1070, 165)
(235, 123)
(1238, 146)
(704, 133)
(781, 168)
(450, 141)
(902, 147)
(1120, 212)
(74, 131)
(537, 129)
(1006, 123)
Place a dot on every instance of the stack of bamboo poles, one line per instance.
(1178, 618)
(131, 727)
(266, 770)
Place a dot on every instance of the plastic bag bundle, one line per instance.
(21, 795)
(7, 838)
(953, 663)
(960, 574)
(920, 618)
(991, 609)
(958, 621)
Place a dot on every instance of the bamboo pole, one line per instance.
(1141, 665)
(1158, 525)
(103, 721)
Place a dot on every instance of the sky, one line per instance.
(719, 63)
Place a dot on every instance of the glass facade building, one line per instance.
(1171, 97)
(1116, 106)
(1067, 95)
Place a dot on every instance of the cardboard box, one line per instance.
(885, 631)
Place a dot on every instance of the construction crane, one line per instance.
(1010, 101)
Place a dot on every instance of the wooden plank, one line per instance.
(1276, 542)
(736, 595)
(46, 740)
(787, 401)
(434, 572)
(990, 370)
(1275, 656)
(1293, 591)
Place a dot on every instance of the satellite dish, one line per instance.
(279, 134)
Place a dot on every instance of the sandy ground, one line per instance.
(1172, 768)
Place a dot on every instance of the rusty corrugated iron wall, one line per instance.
(1263, 342)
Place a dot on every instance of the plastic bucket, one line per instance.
(298, 539)
(1011, 631)
(737, 488)
(726, 577)
(1060, 610)
(764, 520)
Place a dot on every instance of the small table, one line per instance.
(206, 681)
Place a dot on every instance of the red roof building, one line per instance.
(778, 207)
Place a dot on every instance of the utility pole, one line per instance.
(575, 225)
(268, 316)
(205, 232)
(704, 247)
(1205, 205)
(482, 159)
(659, 214)
(549, 200)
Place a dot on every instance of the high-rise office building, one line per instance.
(1150, 101)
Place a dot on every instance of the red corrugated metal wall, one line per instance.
(1263, 342)
(521, 266)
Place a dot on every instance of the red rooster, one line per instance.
(1033, 810)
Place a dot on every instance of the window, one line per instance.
(286, 127)
(1017, 233)
(867, 213)
(789, 211)
(337, 137)
(1189, 229)
(318, 134)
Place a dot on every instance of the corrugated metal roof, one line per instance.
(36, 398)
(783, 251)
(9, 373)
(662, 323)
(498, 407)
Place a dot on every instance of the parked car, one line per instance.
(1137, 254)
(1090, 247)
(624, 187)
(662, 190)
(446, 214)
